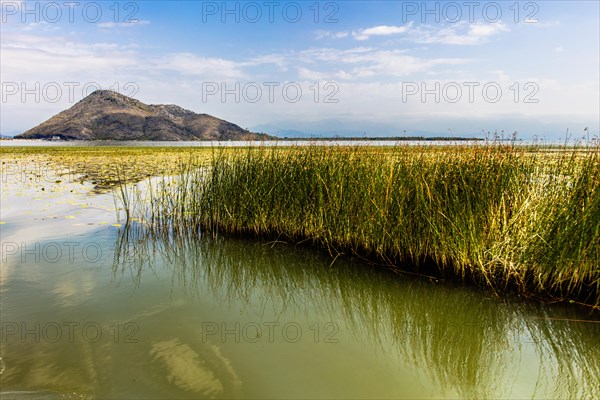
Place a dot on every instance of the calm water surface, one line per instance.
(210, 143)
(283, 142)
(90, 309)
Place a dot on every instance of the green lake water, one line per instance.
(93, 310)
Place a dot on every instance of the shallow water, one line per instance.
(94, 310)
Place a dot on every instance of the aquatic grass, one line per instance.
(509, 218)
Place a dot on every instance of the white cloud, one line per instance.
(381, 30)
(321, 34)
(483, 30)
(353, 55)
(41, 26)
(461, 33)
(559, 49)
(311, 75)
(67, 59)
(279, 60)
(28, 57)
(458, 34)
(205, 67)
(365, 62)
(305, 73)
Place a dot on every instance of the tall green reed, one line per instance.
(501, 216)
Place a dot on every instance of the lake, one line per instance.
(94, 308)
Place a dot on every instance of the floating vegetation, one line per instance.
(103, 167)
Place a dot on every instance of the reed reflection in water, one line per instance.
(456, 341)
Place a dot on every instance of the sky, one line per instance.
(367, 68)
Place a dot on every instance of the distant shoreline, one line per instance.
(391, 138)
(311, 139)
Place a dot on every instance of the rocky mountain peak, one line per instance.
(108, 115)
(110, 97)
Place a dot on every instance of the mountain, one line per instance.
(108, 115)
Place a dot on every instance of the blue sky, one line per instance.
(320, 67)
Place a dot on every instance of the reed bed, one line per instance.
(510, 218)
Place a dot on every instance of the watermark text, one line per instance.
(269, 332)
(68, 332)
(54, 92)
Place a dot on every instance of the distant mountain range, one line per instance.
(108, 115)
(334, 128)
